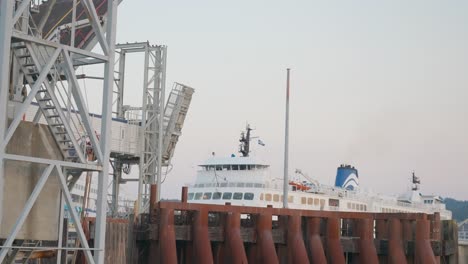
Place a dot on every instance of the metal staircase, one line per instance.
(54, 99)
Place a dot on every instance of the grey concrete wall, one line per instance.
(20, 179)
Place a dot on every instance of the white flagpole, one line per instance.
(286, 147)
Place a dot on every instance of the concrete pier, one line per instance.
(20, 179)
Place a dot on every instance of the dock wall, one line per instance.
(180, 232)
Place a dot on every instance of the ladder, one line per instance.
(63, 127)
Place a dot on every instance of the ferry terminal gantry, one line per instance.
(39, 84)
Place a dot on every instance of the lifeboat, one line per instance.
(299, 186)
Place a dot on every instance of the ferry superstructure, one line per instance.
(244, 180)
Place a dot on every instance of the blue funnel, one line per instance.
(347, 177)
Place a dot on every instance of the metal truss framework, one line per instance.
(152, 114)
(49, 70)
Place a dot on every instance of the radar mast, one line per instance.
(244, 147)
(416, 181)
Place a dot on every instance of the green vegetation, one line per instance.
(459, 209)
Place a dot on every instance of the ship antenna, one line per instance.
(244, 147)
(416, 181)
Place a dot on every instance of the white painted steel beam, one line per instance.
(32, 94)
(162, 99)
(6, 13)
(101, 205)
(120, 85)
(84, 113)
(45, 17)
(72, 57)
(93, 17)
(67, 164)
(20, 10)
(75, 217)
(60, 227)
(21, 36)
(58, 108)
(145, 159)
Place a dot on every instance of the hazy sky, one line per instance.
(380, 85)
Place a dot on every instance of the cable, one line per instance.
(167, 172)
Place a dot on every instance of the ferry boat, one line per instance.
(246, 181)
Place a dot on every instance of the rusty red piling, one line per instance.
(423, 250)
(381, 229)
(396, 252)
(167, 239)
(184, 195)
(367, 251)
(408, 235)
(234, 252)
(297, 252)
(153, 248)
(282, 249)
(265, 248)
(380, 234)
(435, 230)
(200, 233)
(153, 198)
(201, 242)
(315, 246)
(334, 250)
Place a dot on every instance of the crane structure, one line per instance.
(42, 44)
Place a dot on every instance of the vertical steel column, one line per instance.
(61, 229)
(143, 180)
(152, 116)
(17, 77)
(73, 27)
(6, 17)
(161, 100)
(101, 207)
(121, 84)
(117, 175)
